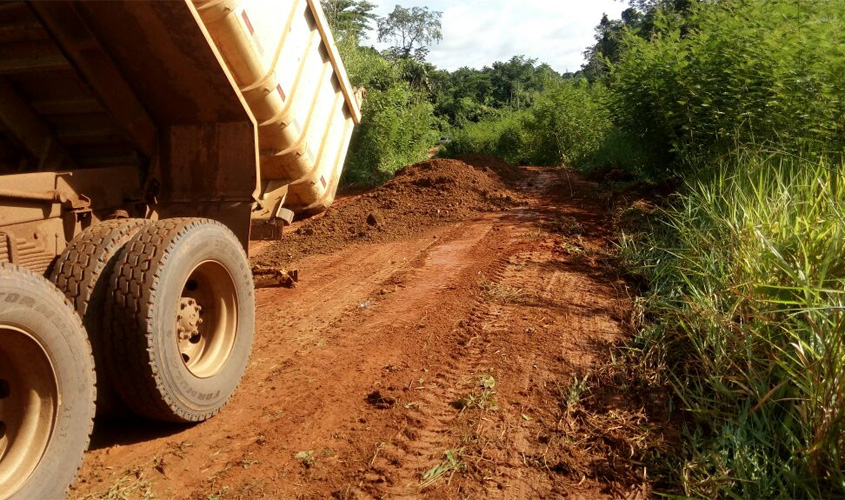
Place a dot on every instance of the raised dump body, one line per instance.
(138, 142)
(285, 62)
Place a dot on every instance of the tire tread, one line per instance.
(129, 311)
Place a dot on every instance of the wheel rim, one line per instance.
(29, 401)
(207, 319)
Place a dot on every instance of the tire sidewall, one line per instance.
(39, 311)
(195, 396)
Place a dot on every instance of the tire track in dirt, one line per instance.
(419, 446)
(396, 468)
(350, 390)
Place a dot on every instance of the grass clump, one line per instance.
(451, 464)
(482, 398)
(746, 320)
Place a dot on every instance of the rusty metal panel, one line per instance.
(107, 188)
(209, 161)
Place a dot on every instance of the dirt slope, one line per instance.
(432, 193)
(436, 356)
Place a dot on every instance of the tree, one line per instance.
(607, 48)
(640, 18)
(514, 81)
(412, 30)
(349, 18)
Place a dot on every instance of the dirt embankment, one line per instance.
(426, 355)
(421, 196)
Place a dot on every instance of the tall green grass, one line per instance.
(746, 320)
(503, 136)
(398, 125)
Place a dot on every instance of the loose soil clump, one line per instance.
(421, 196)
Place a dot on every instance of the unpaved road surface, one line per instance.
(439, 365)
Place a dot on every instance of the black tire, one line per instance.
(165, 268)
(47, 380)
(82, 272)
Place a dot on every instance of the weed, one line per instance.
(745, 318)
(570, 396)
(452, 463)
(306, 458)
(483, 398)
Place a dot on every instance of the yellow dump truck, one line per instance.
(139, 143)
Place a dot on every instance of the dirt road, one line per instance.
(443, 365)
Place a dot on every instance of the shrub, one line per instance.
(568, 125)
(764, 73)
(396, 130)
(398, 123)
(503, 137)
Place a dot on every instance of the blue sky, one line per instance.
(477, 33)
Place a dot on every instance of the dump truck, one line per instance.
(140, 144)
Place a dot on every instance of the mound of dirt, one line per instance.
(490, 163)
(421, 196)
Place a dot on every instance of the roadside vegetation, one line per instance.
(741, 106)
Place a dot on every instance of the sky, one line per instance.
(477, 33)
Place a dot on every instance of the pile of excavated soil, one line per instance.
(498, 166)
(421, 196)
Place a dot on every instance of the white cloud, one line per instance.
(477, 33)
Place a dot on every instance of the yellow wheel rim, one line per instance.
(207, 319)
(29, 402)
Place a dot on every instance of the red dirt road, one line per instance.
(439, 366)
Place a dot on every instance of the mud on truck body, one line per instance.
(139, 143)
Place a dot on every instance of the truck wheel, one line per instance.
(82, 272)
(181, 314)
(47, 388)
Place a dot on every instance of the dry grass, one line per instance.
(500, 292)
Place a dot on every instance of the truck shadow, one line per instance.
(109, 432)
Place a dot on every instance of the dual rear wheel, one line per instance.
(169, 310)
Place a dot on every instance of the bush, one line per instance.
(396, 130)
(398, 123)
(503, 137)
(765, 73)
(568, 125)
(748, 288)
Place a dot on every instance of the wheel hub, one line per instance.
(206, 333)
(188, 320)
